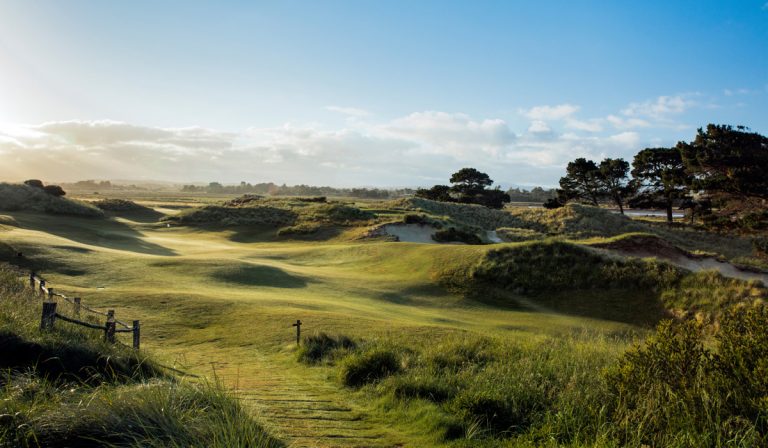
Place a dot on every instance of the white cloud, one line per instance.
(626, 139)
(450, 133)
(558, 112)
(592, 125)
(539, 127)
(660, 108)
(627, 123)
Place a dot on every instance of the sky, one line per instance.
(366, 93)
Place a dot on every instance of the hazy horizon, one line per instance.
(390, 94)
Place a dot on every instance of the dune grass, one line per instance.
(518, 362)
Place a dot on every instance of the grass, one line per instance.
(67, 387)
(532, 349)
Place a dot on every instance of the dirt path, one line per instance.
(301, 406)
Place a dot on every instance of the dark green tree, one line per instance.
(726, 161)
(614, 180)
(660, 178)
(469, 182)
(581, 182)
(440, 193)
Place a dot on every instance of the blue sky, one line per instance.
(381, 93)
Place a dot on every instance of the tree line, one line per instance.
(722, 175)
(271, 188)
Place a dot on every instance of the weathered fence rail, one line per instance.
(49, 316)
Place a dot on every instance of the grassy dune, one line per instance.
(453, 344)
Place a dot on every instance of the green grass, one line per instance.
(529, 339)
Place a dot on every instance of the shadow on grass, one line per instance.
(625, 306)
(252, 275)
(145, 215)
(105, 233)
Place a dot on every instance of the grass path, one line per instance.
(302, 407)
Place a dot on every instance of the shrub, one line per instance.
(35, 183)
(321, 346)
(427, 387)
(370, 366)
(512, 234)
(674, 388)
(304, 228)
(760, 245)
(118, 205)
(54, 190)
(453, 234)
(421, 219)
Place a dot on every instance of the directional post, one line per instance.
(298, 331)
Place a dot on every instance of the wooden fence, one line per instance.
(49, 316)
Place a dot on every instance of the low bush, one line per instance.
(367, 367)
(675, 388)
(305, 228)
(760, 245)
(453, 234)
(320, 347)
(513, 234)
(421, 219)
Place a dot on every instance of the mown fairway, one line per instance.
(221, 303)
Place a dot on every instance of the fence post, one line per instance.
(32, 280)
(50, 294)
(136, 334)
(77, 306)
(109, 327)
(49, 315)
(42, 287)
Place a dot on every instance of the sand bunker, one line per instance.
(411, 233)
(648, 246)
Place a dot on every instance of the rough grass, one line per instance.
(291, 217)
(573, 220)
(537, 370)
(66, 387)
(23, 197)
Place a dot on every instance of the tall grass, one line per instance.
(66, 387)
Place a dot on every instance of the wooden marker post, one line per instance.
(136, 334)
(298, 331)
(109, 327)
(32, 280)
(50, 294)
(77, 306)
(42, 287)
(49, 315)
